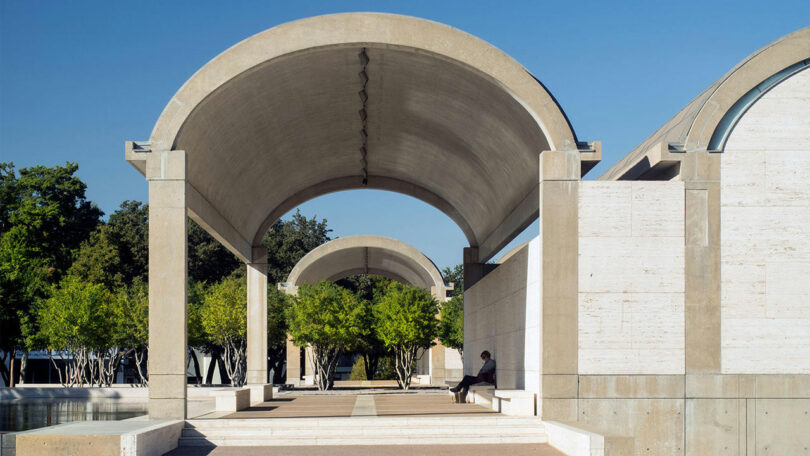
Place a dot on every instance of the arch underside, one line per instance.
(364, 100)
(366, 254)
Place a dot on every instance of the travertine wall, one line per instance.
(502, 315)
(765, 250)
(631, 277)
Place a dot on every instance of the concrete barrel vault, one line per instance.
(331, 103)
(374, 255)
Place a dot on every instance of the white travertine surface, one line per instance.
(631, 277)
(502, 315)
(765, 229)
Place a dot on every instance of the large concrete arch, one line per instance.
(376, 255)
(331, 103)
(446, 118)
(367, 254)
(705, 123)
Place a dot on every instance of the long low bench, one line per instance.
(507, 401)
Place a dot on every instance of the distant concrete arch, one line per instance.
(364, 100)
(706, 122)
(367, 254)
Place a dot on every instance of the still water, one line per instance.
(21, 415)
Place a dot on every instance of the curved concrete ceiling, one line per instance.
(366, 254)
(446, 118)
(718, 107)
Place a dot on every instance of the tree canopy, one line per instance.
(405, 321)
(330, 319)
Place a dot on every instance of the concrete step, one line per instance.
(361, 440)
(380, 421)
(363, 431)
(371, 431)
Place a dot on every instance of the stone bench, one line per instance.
(579, 439)
(232, 399)
(514, 402)
(508, 402)
(481, 394)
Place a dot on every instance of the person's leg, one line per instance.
(465, 383)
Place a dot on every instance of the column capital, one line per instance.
(700, 166)
(559, 165)
(166, 165)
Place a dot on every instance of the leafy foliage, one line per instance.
(44, 217)
(80, 319)
(330, 319)
(455, 275)
(405, 321)
(223, 317)
(287, 241)
(369, 289)
(451, 323)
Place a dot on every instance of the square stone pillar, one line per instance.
(293, 362)
(166, 173)
(257, 317)
(559, 283)
(700, 172)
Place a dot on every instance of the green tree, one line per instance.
(405, 320)
(369, 289)
(128, 230)
(132, 323)
(98, 260)
(330, 319)
(455, 275)
(224, 320)
(79, 319)
(277, 303)
(208, 260)
(44, 217)
(451, 323)
(287, 241)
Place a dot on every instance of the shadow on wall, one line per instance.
(501, 314)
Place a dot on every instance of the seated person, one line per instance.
(486, 375)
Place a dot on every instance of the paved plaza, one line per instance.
(356, 407)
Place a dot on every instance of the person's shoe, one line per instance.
(454, 389)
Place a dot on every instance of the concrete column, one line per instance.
(257, 317)
(559, 281)
(438, 375)
(309, 366)
(700, 172)
(166, 173)
(293, 362)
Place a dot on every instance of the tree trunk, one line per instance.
(4, 370)
(371, 361)
(23, 366)
(326, 359)
(139, 362)
(404, 357)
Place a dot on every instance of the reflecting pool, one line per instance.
(24, 414)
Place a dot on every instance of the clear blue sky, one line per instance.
(79, 78)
